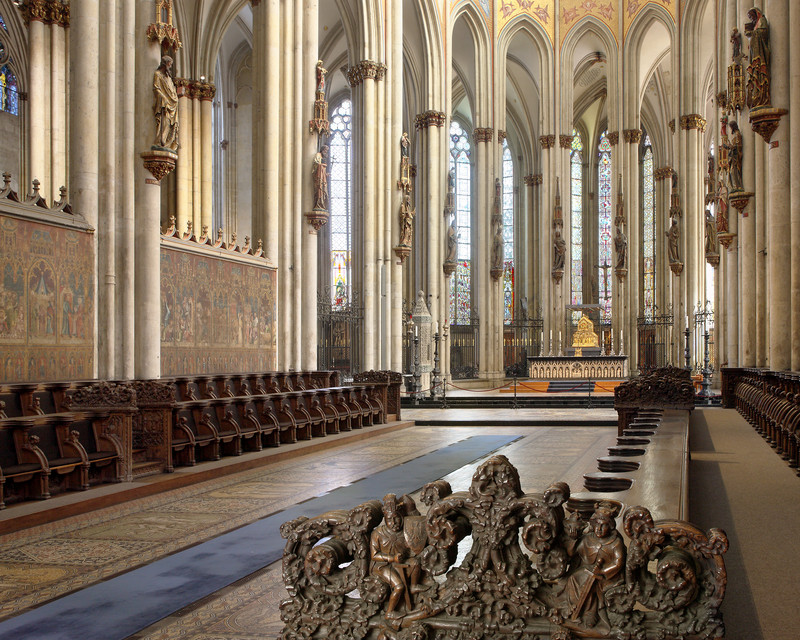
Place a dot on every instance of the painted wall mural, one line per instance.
(46, 301)
(217, 315)
(615, 14)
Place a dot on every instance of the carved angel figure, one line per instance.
(165, 106)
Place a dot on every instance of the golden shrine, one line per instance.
(585, 336)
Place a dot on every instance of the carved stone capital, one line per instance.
(565, 142)
(722, 100)
(317, 218)
(36, 11)
(676, 267)
(501, 136)
(725, 239)
(693, 121)
(365, 70)
(547, 141)
(633, 136)
(537, 178)
(529, 180)
(613, 138)
(662, 173)
(203, 90)
(672, 125)
(430, 118)
(739, 199)
(483, 134)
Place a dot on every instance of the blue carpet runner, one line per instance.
(121, 606)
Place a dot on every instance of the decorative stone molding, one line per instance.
(613, 138)
(537, 178)
(230, 248)
(565, 142)
(693, 121)
(430, 119)
(501, 136)
(483, 134)
(45, 11)
(633, 136)
(365, 70)
(765, 121)
(739, 199)
(159, 162)
(676, 267)
(672, 125)
(662, 173)
(548, 141)
(529, 180)
(164, 34)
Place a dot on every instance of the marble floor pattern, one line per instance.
(37, 565)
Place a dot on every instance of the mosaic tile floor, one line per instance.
(39, 564)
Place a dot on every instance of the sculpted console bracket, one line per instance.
(529, 569)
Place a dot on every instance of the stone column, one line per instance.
(481, 248)
(794, 143)
(197, 158)
(761, 255)
(546, 203)
(58, 101)
(779, 232)
(38, 145)
(395, 70)
(184, 177)
(205, 95)
(126, 304)
(84, 115)
(631, 290)
(106, 236)
(308, 333)
(148, 205)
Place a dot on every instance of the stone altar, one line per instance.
(584, 367)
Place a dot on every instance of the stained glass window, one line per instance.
(576, 211)
(648, 230)
(8, 91)
(341, 187)
(508, 234)
(604, 221)
(460, 298)
(710, 271)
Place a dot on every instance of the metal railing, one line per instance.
(655, 336)
(465, 350)
(521, 338)
(339, 334)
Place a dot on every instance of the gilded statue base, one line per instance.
(317, 218)
(677, 267)
(402, 251)
(159, 162)
(739, 200)
(765, 121)
(449, 268)
(725, 239)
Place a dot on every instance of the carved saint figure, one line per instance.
(405, 145)
(392, 558)
(321, 73)
(711, 233)
(758, 71)
(736, 44)
(452, 241)
(497, 248)
(559, 251)
(674, 182)
(735, 158)
(319, 173)
(621, 245)
(673, 237)
(165, 106)
(601, 559)
(451, 181)
(710, 176)
(722, 208)
(406, 221)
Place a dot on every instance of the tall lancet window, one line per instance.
(604, 221)
(648, 230)
(341, 190)
(710, 289)
(576, 217)
(460, 298)
(508, 234)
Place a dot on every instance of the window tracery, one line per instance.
(460, 291)
(576, 211)
(604, 223)
(341, 198)
(508, 234)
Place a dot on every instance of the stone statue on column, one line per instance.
(758, 71)
(712, 249)
(673, 239)
(406, 221)
(497, 249)
(736, 88)
(165, 106)
(559, 251)
(451, 248)
(319, 173)
(404, 183)
(621, 246)
(734, 149)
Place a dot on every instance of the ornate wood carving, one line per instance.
(534, 569)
